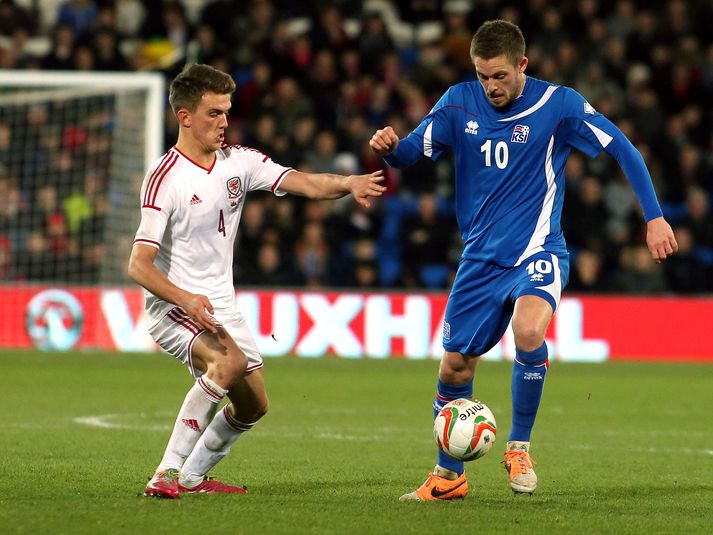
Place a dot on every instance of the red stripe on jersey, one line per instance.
(208, 169)
(279, 179)
(152, 202)
(157, 171)
(461, 108)
(155, 181)
(142, 240)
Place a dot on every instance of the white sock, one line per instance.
(197, 410)
(213, 445)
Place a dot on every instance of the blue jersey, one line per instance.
(510, 163)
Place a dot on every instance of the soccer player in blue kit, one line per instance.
(511, 135)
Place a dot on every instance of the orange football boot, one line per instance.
(439, 488)
(518, 464)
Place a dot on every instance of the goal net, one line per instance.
(73, 151)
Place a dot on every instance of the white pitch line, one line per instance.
(103, 421)
(351, 438)
(650, 449)
(107, 421)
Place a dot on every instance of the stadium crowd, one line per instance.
(315, 79)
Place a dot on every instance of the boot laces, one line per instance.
(518, 462)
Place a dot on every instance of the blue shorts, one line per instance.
(483, 297)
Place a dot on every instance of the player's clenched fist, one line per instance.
(384, 141)
(660, 239)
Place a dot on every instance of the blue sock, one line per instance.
(445, 394)
(528, 380)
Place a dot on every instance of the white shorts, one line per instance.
(175, 333)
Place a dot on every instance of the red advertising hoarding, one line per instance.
(356, 325)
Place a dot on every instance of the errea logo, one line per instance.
(471, 127)
(537, 277)
(532, 376)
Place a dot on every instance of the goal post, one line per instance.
(74, 147)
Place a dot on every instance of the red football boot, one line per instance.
(164, 485)
(212, 486)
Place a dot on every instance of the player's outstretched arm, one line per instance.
(660, 239)
(384, 141)
(329, 186)
(143, 271)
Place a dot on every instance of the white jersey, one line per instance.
(191, 213)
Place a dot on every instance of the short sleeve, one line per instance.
(584, 127)
(262, 172)
(157, 203)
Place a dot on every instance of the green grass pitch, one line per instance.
(620, 447)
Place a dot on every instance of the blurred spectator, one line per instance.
(328, 30)
(78, 206)
(130, 16)
(204, 47)
(323, 158)
(324, 88)
(250, 235)
(457, 35)
(685, 273)
(35, 261)
(637, 273)
(289, 104)
(13, 17)
(269, 269)
(374, 40)
(78, 15)
(107, 54)
(5, 149)
(366, 274)
(423, 237)
(588, 213)
(7, 265)
(312, 255)
(699, 219)
(586, 273)
(62, 50)
(83, 58)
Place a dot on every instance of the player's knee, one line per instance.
(527, 336)
(456, 369)
(227, 370)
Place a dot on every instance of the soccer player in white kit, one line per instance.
(191, 200)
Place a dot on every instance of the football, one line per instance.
(465, 429)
